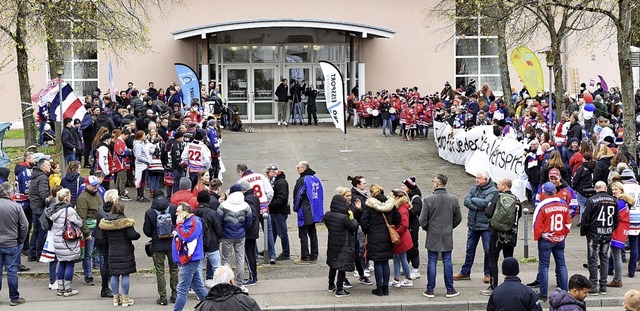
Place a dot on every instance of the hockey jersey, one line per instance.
(632, 188)
(261, 188)
(197, 156)
(551, 220)
(565, 193)
(600, 218)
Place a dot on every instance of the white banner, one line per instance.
(334, 92)
(479, 149)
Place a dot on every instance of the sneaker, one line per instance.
(260, 256)
(106, 293)
(542, 297)
(285, 123)
(406, 283)
(125, 198)
(534, 284)
(394, 283)
(282, 257)
(428, 294)
(346, 284)
(23, 268)
(88, 280)
(208, 283)
(17, 301)
(302, 262)
(162, 301)
(452, 293)
(603, 290)
(173, 299)
(486, 292)
(191, 291)
(53, 285)
(487, 279)
(32, 259)
(279, 122)
(365, 280)
(249, 282)
(461, 277)
(342, 293)
(357, 275)
(70, 292)
(368, 271)
(244, 289)
(331, 288)
(593, 292)
(272, 261)
(415, 274)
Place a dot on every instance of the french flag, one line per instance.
(72, 107)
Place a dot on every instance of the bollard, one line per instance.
(525, 213)
(265, 228)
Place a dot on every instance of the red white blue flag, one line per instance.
(72, 106)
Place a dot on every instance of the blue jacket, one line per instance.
(476, 201)
(190, 230)
(236, 216)
(74, 182)
(23, 178)
(560, 300)
(213, 136)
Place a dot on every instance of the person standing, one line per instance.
(39, 191)
(214, 146)
(279, 209)
(503, 228)
(87, 206)
(282, 93)
(342, 227)
(212, 236)
(551, 225)
(236, 217)
(573, 299)
(512, 295)
(121, 163)
(619, 236)
(143, 159)
(296, 98)
(415, 195)
(599, 220)
(22, 173)
(631, 187)
(312, 110)
(70, 139)
(478, 224)
(102, 244)
(13, 232)
(263, 191)
(67, 251)
(439, 216)
(308, 197)
(401, 202)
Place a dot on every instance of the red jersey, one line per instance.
(121, 156)
(552, 221)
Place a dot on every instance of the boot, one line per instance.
(378, 291)
(126, 301)
(68, 291)
(60, 291)
(385, 290)
(116, 300)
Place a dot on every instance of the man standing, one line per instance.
(551, 225)
(561, 300)
(264, 192)
(311, 94)
(439, 216)
(282, 93)
(599, 220)
(279, 209)
(174, 160)
(196, 156)
(512, 295)
(87, 206)
(236, 218)
(504, 211)
(69, 141)
(38, 194)
(214, 145)
(308, 197)
(477, 201)
(23, 171)
(13, 232)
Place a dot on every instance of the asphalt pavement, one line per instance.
(286, 286)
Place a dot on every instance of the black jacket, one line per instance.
(280, 202)
(512, 295)
(103, 120)
(355, 194)
(282, 92)
(214, 226)
(341, 229)
(575, 130)
(38, 190)
(72, 181)
(379, 246)
(227, 297)
(151, 223)
(583, 179)
(311, 96)
(254, 203)
(600, 218)
(70, 139)
(99, 236)
(176, 154)
(601, 171)
(415, 196)
(119, 233)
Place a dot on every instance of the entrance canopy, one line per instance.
(360, 29)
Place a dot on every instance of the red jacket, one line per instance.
(619, 236)
(184, 196)
(403, 228)
(551, 220)
(121, 156)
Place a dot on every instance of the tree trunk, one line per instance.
(22, 60)
(558, 79)
(626, 74)
(504, 62)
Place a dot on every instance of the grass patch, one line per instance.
(16, 154)
(14, 134)
(528, 260)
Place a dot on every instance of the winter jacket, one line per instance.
(308, 198)
(402, 205)
(38, 190)
(532, 165)
(236, 216)
(103, 120)
(415, 197)
(120, 233)
(560, 300)
(65, 250)
(601, 171)
(619, 236)
(342, 228)
(99, 236)
(598, 207)
(379, 246)
(213, 225)
(227, 297)
(440, 215)
(476, 201)
(70, 139)
(583, 179)
(280, 202)
(87, 207)
(188, 242)
(282, 92)
(512, 295)
(575, 161)
(565, 193)
(184, 196)
(253, 231)
(150, 226)
(13, 223)
(358, 195)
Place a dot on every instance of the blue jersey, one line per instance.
(23, 181)
(214, 140)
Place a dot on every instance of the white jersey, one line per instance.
(197, 156)
(261, 188)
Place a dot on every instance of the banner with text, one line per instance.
(333, 89)
(479, 149)
(188, 83)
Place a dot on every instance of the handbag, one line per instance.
(71, 231)
(147, 249)
(395, 237)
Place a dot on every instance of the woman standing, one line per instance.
(203, 183)
(104, 159)
(119, 232)
(555, 161)
(155, 170)
(360, 194)
(340, 253)
(415, 208)
(67, 251)
(356, 209)
(377, 212)
(143, 159)
(619, 236)
(401, 202)
(110, 198)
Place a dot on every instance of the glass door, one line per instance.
(237, 86)
(318, 79)
(263, 92)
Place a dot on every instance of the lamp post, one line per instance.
(550, 63)
(59, 72)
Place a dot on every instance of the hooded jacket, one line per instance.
(38, 190)
(65, 250)
(87, 206)
(253, 231)
(379, 244)
(184, 196)
(236, 216)
(476, 201)
(583, 179)
(72, 181)
(119, 233)
(280, 202)
(619, 236)
(227, 297)
(560, 300)
(149, 228)
(342, 228)
(188, 242)
(402, 205)
(212, 224)
(601, 171)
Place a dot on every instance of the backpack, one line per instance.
(504, 214)
(164, 224)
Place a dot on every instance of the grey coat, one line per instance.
(65, 250)
(476, 201)
(440, 215)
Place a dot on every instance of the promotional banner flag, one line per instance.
(528, 68)
(603, 84)
(47, 93)
(189, 83)
(112, 85)
(334, 93)
(72, 107)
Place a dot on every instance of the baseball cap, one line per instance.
(549, 188)
(554, 172)
(272, 167)
(94, 181)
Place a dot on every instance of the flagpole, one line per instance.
(344, 117)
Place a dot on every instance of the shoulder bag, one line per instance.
(395, 237)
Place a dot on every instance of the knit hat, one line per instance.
(235, 188)
(272, 167)
(178, 135)
(185, 183)
(627, 174)
(609, 139)
(244, 185)
(510, 267)
(198, 136)
(157, 193)
(549, 188)
(410, 183)
(203, 197)
(212, 122)
(573, 139)
(554, 172)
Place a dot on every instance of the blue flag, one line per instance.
(189, 83)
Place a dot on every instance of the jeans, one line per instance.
(41, 132)
(65, 270)
(115, 284)
(432, 263)
(382, 273)
(386, 123)
(310, 232)
(598, 251)
(213, 262)
(615, 263)
(189, 276)
(633, 254)
(494, 254)
(581, 202)
(473, 236)
(237, 246)
(332, 277)
(279, 225)
(53, 271)
(401, 259)
(153, 182)
(545, 249)
(270, 236)
(70, 157)
(158, 264)
(176, 180)
(9, 258)
(38, 237)
(297, 112)
(88, 253)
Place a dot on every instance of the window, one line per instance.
(476, 48)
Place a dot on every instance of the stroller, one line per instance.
(236, 121)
